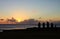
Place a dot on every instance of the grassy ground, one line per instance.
(32, 33)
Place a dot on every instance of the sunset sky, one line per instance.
(26, 9)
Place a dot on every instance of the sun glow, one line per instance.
(20, 15)
(19, 19)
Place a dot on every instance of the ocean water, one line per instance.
(10, 27)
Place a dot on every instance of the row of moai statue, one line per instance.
(47, 24)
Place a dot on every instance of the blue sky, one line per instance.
(23, 9)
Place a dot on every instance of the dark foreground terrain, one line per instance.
(35, 33)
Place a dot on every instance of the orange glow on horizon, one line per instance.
(20, 15)
(21, 18)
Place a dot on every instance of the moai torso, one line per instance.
(47, 24)
(51, 25)
(39, 24)
(43, 24)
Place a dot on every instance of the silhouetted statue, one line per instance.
(55, 25)
(52, 25)
(39, 24)
(43, 24)
(47, 24)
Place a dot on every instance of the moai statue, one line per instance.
(39, 25)
(43, 24)
(52, 25)
(47, 24)
(55, 25)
